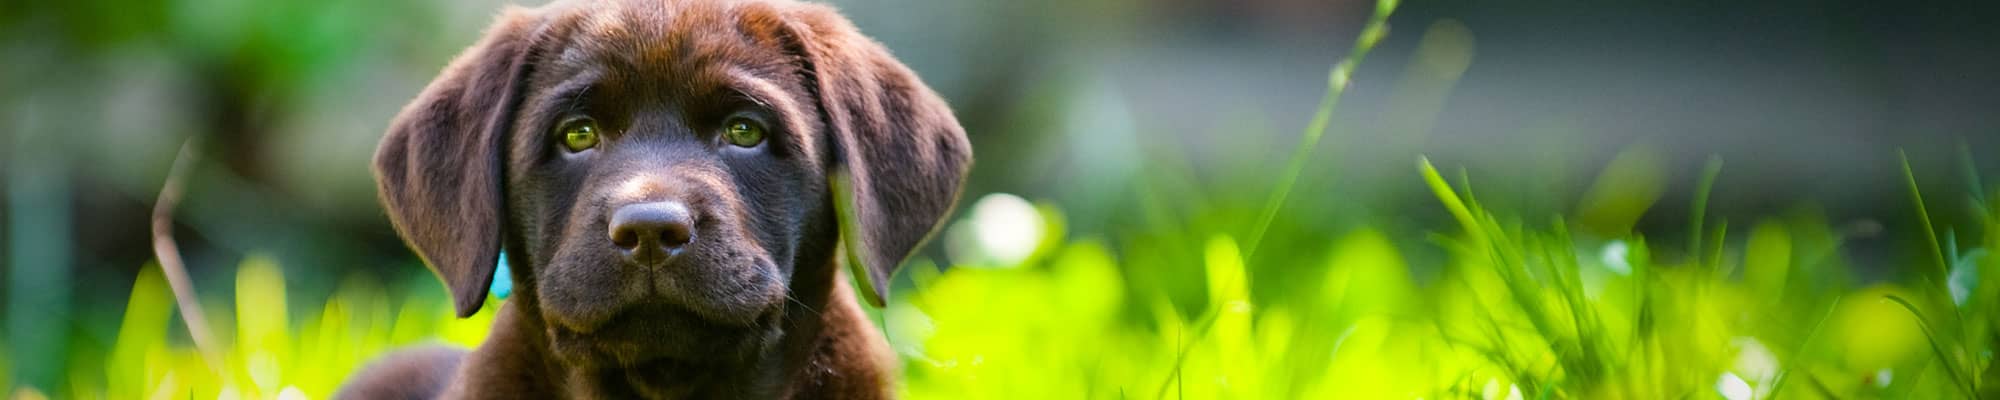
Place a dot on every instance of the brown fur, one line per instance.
(753, 307)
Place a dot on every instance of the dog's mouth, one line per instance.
(664, 338)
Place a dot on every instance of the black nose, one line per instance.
(651, 232)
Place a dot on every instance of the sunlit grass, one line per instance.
(1522, 307)
(270, 353)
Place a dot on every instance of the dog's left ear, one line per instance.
(898, 156)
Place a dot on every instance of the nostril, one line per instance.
(624, 237)
(676, 235)
(666, 225)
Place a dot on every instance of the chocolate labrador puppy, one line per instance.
(676, 183)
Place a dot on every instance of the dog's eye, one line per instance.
(743, 132)
(579, 134)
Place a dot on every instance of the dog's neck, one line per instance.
(826, 348)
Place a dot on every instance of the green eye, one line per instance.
(579, 134)
(743, 132)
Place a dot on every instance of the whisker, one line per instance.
(788, 292)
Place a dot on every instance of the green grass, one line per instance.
(268, 351)
(1209, 298)
(1520, 306)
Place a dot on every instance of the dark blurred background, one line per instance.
(1067, 101)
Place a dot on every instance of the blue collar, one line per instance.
(503, 280)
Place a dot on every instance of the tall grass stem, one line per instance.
(1336, 84)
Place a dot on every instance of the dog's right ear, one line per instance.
(438, 167)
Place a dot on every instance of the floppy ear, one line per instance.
(898, 155)
(438, 167)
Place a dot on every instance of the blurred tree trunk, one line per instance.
(39, 264)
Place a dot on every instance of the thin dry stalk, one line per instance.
(169, 255)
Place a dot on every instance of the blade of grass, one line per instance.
(1714, 256)
(1951, 367)
(1465, 181)
(1778, 384)
(1450, 198)
(1336, 84)
(1939, 282)
(1700, 210)
(1943, 271)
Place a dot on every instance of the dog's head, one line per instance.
(660, 170)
